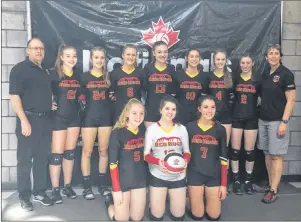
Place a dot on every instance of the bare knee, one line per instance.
(87, 153)
(103, 151)
(276, 157)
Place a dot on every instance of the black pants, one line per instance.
(32, 153)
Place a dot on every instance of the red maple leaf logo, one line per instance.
(160, 32)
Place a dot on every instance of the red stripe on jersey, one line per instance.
(186, 157)
(151, 159)
(114, 171)
(223, 175)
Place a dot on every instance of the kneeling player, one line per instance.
(207, 170)
(162, 139)
(127, 166)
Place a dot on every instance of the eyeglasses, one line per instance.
(37, 48)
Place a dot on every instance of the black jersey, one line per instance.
(66, 91)
(157, 84)
(189, 89)
(125, 87)
(246, 94)
(96, 91)
(217, 88)
(207, 148)
(126, 151)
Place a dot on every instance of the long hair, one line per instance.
(227, 75)
(155, 45)
(244, 55)
(59, 62)
(123, 119)
(104, 70)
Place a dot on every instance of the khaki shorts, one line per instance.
(269, 141)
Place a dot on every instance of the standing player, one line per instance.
(127, 166)
(245, 121)
(190, 86)
(220, 86)
(98, 120)
(66, 121)
(207, 170)
(158, 81)
(126, 81)
(162, 138)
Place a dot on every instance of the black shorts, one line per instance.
(156, 182)
(198, 179)
(247, 124)
(125, 188)
(59, 123)
(223, 117)
(97, 122)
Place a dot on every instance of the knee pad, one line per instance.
(212, 219)
(194, 217)
(69, 154)
(113, 218)
(153, 218)
(177, 218)
(250, 155)
(56, 159)
(235, 154)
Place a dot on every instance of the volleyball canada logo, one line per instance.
(160, 32)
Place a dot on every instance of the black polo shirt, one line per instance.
(33, 85)
(273, 88)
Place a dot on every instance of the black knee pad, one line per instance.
(177, 218)
(69, 154)
(56, 159)
(133, 220)
(194, 217)
(250, 155)
(235, 154)
(113, 218)
(153, 218)
(212, 219)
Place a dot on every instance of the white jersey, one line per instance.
(159, 142)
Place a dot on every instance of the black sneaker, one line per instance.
(88, 194)
(109, 200)
(56, 196)
(269, 197)
(43, 199)
(69, 192)
(26, 205)
(237, 188)
(104, 190)
(248, 187)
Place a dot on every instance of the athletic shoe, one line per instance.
(109, 200)
(104, 190)
(43, 199)
(26, 205)
(88, 194)
(56, 196)
(67, 190)
(269, 197)
(248, 188)
(237, 188)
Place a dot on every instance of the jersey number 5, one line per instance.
(160, 88)
(243, 99)
(137, 156)
(204, 152)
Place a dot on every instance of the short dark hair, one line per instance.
(34, 38)
(274, 46)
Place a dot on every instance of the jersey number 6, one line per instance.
(137, 156)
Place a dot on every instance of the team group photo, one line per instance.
(163, 120)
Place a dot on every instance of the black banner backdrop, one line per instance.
(237, 26)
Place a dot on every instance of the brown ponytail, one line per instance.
(227, 75)
(59, 62)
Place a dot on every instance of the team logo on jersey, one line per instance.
(160, 78)
(96, 84)
(220, 84)
(160, 32)
(69, 83)
(168, 141)
(276, 79)
(134, 144)
(204, 139)
(128, 81)
(191, 85)
(246, 88)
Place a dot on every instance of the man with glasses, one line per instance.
(31, 98)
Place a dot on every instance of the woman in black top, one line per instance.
(245, 121)
(98, 119)
(66, 121)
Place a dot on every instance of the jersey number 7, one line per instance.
(204, 152)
